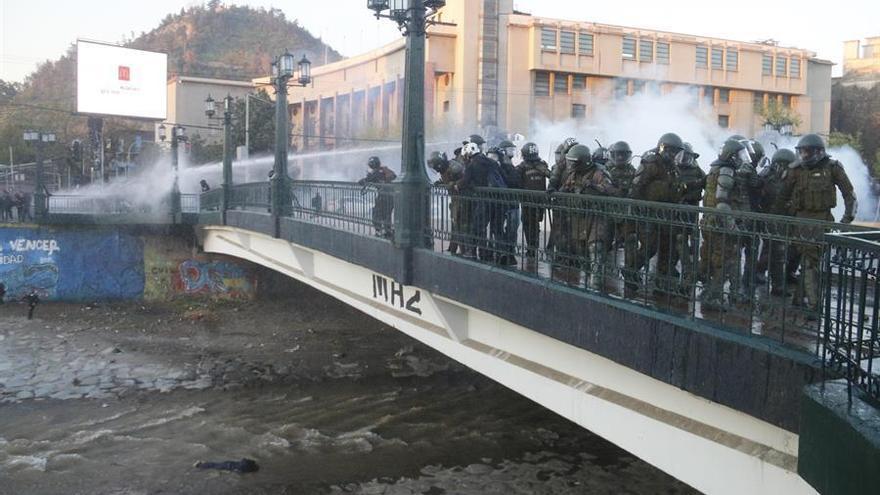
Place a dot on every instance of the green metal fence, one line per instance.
(850, 342)
(740, 271)
(254, 195)
(744, 272)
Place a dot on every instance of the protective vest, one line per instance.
(693, 180)
(814, 189)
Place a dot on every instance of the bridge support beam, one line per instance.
(712, 447)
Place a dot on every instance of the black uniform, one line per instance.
(533, 175)
(383, 208)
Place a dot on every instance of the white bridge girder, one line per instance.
(707, 445)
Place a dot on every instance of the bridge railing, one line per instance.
(254, 195)
(211, 200)
(59, 204)
(742, 271)
(850, 336)
(365, 209)
(189, 203)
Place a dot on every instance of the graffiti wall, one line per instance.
(71, 265)
(88, 264)
(173, 269)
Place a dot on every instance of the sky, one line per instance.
(34, 31)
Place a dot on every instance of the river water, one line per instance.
(125, 399)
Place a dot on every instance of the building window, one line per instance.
(724, 121)
(542, 84)
(446, 106)
(732, 59)
(621, 88)
(629, 48)
(767, 64)
(638, 87)
(548, 39)
(578, 111)
(781, 65)
(662, 52)
(579, 82)
(758, 101)
(566, 42)
(723, 95)
(786, 101)
(717, 58)
(646, 50)
(794, 68)
(560, 84)
(585, 44)
(702, 56)
(709, 94)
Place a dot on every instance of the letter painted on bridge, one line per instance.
(395, 294)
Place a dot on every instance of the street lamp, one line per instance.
(412, 17)
(40, 138)
(282, 72)
(178, 134)
(209, 107)
(227, 147)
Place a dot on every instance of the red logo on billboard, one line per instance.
(124, 73)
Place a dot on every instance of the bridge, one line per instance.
(744, 396)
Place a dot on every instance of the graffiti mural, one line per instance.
(171, 274)
(71, 265)
(216, 278)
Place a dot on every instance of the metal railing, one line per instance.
(366, 209)
(94, 205)
(211, 200)
(851, 339)
(189, 203)
(741, 271)
(254, 195)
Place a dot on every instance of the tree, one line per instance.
(202, 152)
(778, 115)
(855, 110)
(262, 123)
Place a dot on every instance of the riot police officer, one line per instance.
(808, 187)
(692, 181)
(380, 177)
(720, 250)
(584, 247)
(774, 253)
(451, 171)
(656, 180)
(624, 233)
(558, 175)
(533, 174)
(510, 204)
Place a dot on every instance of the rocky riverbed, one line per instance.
(125, 398)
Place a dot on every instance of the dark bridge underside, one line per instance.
(749, 373)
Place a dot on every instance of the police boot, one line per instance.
(595, 273)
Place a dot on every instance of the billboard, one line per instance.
(112, 80)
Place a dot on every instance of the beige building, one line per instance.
(186, 104)
(496, 68)
(861, 63)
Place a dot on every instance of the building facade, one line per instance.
(186, 104)
(496, 68)
(861, 63)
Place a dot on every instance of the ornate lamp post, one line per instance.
(282, 73)
(412, 17)
(178, 134)
(210, 110)
(40, 138)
